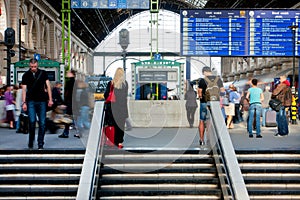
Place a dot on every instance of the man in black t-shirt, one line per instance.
(202, 85)
(36, 96)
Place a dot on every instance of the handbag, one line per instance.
(111, 96)
(275, 104)
(10, 107)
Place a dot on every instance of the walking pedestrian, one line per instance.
(68, 100)
(190, 104)
(202, 86)
(10, 106)
(36, 95)
(117, 111)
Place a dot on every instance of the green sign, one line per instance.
(42, 63)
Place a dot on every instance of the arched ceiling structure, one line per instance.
(93, 25)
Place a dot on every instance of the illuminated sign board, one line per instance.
(110, 4)
(157, 75)
(239, 32)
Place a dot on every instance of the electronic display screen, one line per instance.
(243, 32)
(111, 4)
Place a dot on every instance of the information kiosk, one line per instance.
(54, 69)
(150, 79)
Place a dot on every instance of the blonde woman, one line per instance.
(117, 111)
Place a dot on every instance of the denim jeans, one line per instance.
(252, 109)
(37, 108)
(203, 111)
(83, 120)
(263, 113)
(282, 124)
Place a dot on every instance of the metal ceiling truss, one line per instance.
(93, 25)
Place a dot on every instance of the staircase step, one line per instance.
(158, 175)
(158, 192)
(270, 174)
(275, 197)
(166, 197)
(158, 187)
(33, 174)
(39, 178)
(62, 197)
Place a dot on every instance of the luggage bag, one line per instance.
(271, 118)
(110, 135)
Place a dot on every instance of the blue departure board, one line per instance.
(111, 4)
(239, 32)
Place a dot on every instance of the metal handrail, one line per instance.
(233, 187)
(87, 188)
(225, 156)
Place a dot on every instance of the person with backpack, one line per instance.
(209, 89)
(284, 94)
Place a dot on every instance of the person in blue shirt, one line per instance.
(255, 96)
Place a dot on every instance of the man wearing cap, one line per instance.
(202, 85)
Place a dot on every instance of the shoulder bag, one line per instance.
(111, 96)
(275, 104)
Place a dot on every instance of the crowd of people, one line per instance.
(35, 95)
(41, 102)
(247, 105)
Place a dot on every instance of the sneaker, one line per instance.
(63, 136)
(40, 148)
(201, 143)
(278, 135)
(258, 136)
(251, 136)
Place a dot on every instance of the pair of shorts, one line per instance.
(203, 111)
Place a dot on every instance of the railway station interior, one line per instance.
(162, 45)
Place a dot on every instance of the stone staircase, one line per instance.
(271, 175)
(158, 174)
(40, 174)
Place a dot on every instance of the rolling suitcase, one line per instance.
(271, 118)
(110, 135)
